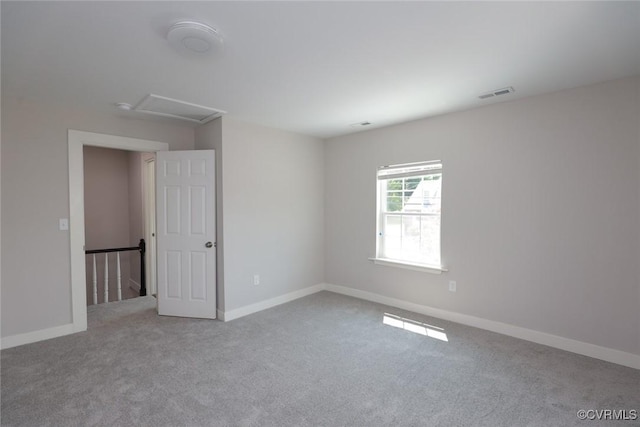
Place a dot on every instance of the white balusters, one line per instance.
(106, 277)
(118, 268)
(95, 281)
(118, 276)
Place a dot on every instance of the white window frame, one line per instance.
(385, 173)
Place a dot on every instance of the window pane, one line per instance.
(394, 203)
(392, 236)
(394, 184)
(412, 183)
(412, 201)
(430, 239)
(429, 193)
(411, 237)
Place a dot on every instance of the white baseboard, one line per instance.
(40, 335)
(598, 352)
(134, 285)
(263, 305)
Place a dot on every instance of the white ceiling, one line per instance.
(316, 67)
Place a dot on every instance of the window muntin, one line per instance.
(409, 208)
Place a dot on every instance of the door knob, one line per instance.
(208, 245)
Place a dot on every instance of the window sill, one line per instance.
(433, 269)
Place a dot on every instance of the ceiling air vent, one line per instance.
(168, 107)
(497, 92)
(359, 124)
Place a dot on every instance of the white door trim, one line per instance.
(149, 193)
(77, 140)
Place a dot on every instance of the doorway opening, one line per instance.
(117, 185)
(77, 140)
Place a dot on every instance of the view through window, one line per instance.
(409, 208)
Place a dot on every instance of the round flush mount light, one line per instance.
(193, 36)
(124, 106)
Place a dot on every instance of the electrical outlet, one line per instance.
(256, 279)
(452, 286)
(63, 224)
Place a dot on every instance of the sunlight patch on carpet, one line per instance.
(415, 327)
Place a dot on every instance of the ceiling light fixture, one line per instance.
(193, 36)
(124, 106)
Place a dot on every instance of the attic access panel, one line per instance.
(169, 107)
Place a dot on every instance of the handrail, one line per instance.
(102, 251)
(142, 247)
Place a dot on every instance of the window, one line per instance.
(409, 200)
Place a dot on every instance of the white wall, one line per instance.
(541, 212)
(272, 209)
(36, 289)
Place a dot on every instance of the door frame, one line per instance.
(149, 223)
(77, 140)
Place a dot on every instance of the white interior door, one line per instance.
(185, 197)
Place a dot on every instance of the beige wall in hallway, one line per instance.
(106, 214)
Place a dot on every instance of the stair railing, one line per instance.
(94, 278)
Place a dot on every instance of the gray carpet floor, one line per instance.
(323, 360)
